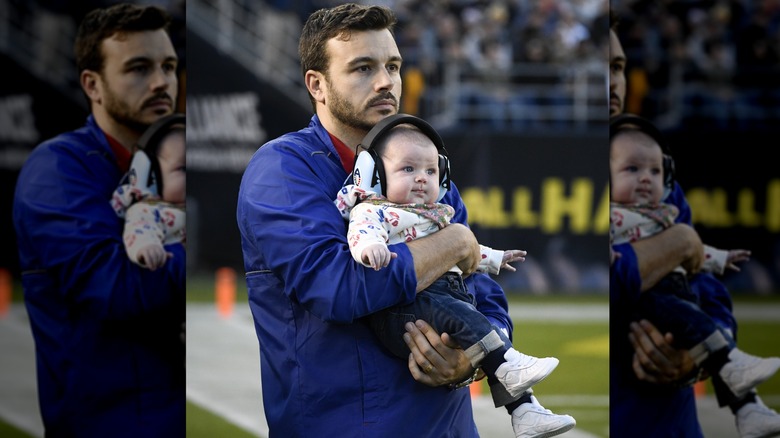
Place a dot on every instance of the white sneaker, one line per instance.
(744, 372)
(521, 371)
(532, 420)
(756, 420)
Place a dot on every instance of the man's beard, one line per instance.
(345, 112)
(121, 112)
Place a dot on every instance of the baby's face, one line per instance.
(173, 167)
(411, 163)
(636, 169)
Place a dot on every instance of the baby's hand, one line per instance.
(153, 256)
(512, 255)
(377, 256)
(736, 256)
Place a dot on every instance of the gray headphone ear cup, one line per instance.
(365, 175)
(668, 170)
(444, 176)
(141, 174)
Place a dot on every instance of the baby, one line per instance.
(410, 211)
(637, 188)
(151, 197)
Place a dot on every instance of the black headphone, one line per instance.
(145, 164)
(626, 122)
(369, 171)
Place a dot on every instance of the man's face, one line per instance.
(363, 81)
(138, 84)
(617, 75)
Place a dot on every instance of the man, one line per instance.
(664, 402)
(110, 358)
(323, 371)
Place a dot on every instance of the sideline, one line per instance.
(211, 358)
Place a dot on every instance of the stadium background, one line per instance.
(517, 88)
(525, 129)
(706, 73)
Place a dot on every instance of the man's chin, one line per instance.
(382, 112)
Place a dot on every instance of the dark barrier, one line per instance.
(229, 115)
(31, 111)
(544, 194)
(733, 187)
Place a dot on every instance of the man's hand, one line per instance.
(655, 359)
(437, 253)
(658, 255)
(470, 262)
(435, 360)
(695, 254)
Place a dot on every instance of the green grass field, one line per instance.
(582, 373)
(579, 386)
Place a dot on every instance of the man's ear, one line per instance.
(315, 83)
(90, 84)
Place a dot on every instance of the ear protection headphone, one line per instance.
(369, 171)
(626, 122)
(145, 166)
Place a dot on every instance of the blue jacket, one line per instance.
(714, 298)
(323, 371)
(639, 409)
(110, 360)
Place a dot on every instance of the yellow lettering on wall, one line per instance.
(522, 213)
(773, 206)
(710, 208)
(601, 217)
(486, 209)
(556, 205)
(747, 216)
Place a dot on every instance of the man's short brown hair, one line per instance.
(103, 23)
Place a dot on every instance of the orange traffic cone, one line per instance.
(6, 285)
(475, 389)
(700, 388)
(225, 291)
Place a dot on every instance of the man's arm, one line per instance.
(67, 227)
(436, 254)
(660, 254)
(655, 359)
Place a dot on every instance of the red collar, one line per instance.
(346, 153)
(123, 156)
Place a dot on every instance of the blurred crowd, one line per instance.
(39, 34)
(501, 63)
(714, 62)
